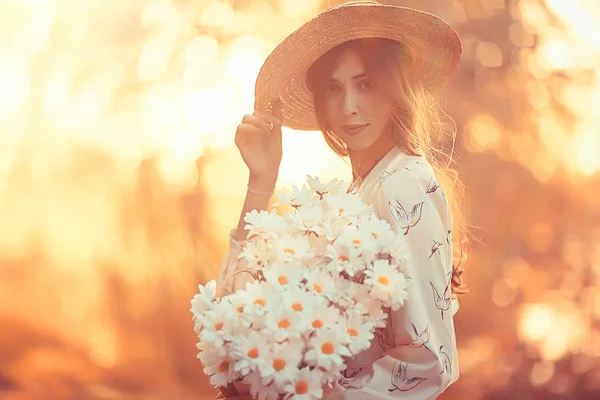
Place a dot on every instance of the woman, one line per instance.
(365, 74)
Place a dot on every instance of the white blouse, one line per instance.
(415, 356)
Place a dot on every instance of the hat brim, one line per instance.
(433, 46)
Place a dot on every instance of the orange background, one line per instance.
(119, 182)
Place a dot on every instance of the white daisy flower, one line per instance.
(260, 391)
(282, 323)
(300, 301)
(347, 205)
(306, 386)
(343, 258)
(290, 248)
(220, 369)
(259, 297)
(327, 348)
(360, 240)
(299, 197)
(282, 363)
(264, 223)
(359, 332)
(308, 219)
(281, 275)
(387, 284)
(203, 301)
(323, 317)
(332, 187)
(379, 229)
(250, 351)
(320, 281)
(256, 253)
(345, 289)
(372, 311)
(241, 313)
(216, 327)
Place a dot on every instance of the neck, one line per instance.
(363, 161)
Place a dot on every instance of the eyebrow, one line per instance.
(361, 75)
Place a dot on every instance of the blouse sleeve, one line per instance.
(229, 265)
(422, 361)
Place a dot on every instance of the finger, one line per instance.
(258, 122)
(277, 114)
(269, 118)
(248, 132)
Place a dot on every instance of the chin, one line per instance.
(359, 144)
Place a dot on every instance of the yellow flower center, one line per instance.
(284, 324)
(375, 235)
(327, 348)
(289, 251)
(318, 288)
(301, 387)
(218, 326)
(283, 280)
(260, 301)
(352, 332)
(278, 364)
(343, 258)
(253, 352)
(317, 323)
(356, 241)
(224, 367)
(383, 280)
(297, 307)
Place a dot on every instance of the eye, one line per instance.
(364, 84)
(333, 88)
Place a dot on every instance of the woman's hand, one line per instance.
(260, 146)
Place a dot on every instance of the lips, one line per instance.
(352, 130)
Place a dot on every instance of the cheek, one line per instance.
(382, 111)
(332, 110)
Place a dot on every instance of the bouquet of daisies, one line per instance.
(325, 267)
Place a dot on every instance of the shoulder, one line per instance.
(411, 184)
(407, 175)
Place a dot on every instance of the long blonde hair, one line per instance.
(419, 125)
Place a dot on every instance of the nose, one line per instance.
(350, 103)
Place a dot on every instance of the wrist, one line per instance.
(262, 184)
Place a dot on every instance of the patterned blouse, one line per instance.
(415, 356)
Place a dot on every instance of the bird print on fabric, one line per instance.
(400, 379)
(446, 361)
(432, 187)
(421, 339)
(442, 302)
(406, 220)
(435, 247)
(385, 337)
(348, 375)
(448, 234)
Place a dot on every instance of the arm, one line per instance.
(258, 138)
(423, 361)
(226, 283)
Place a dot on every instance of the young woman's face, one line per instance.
(356, 111)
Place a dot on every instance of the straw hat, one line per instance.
(434, 49)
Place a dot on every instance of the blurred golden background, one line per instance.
(119, 182)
